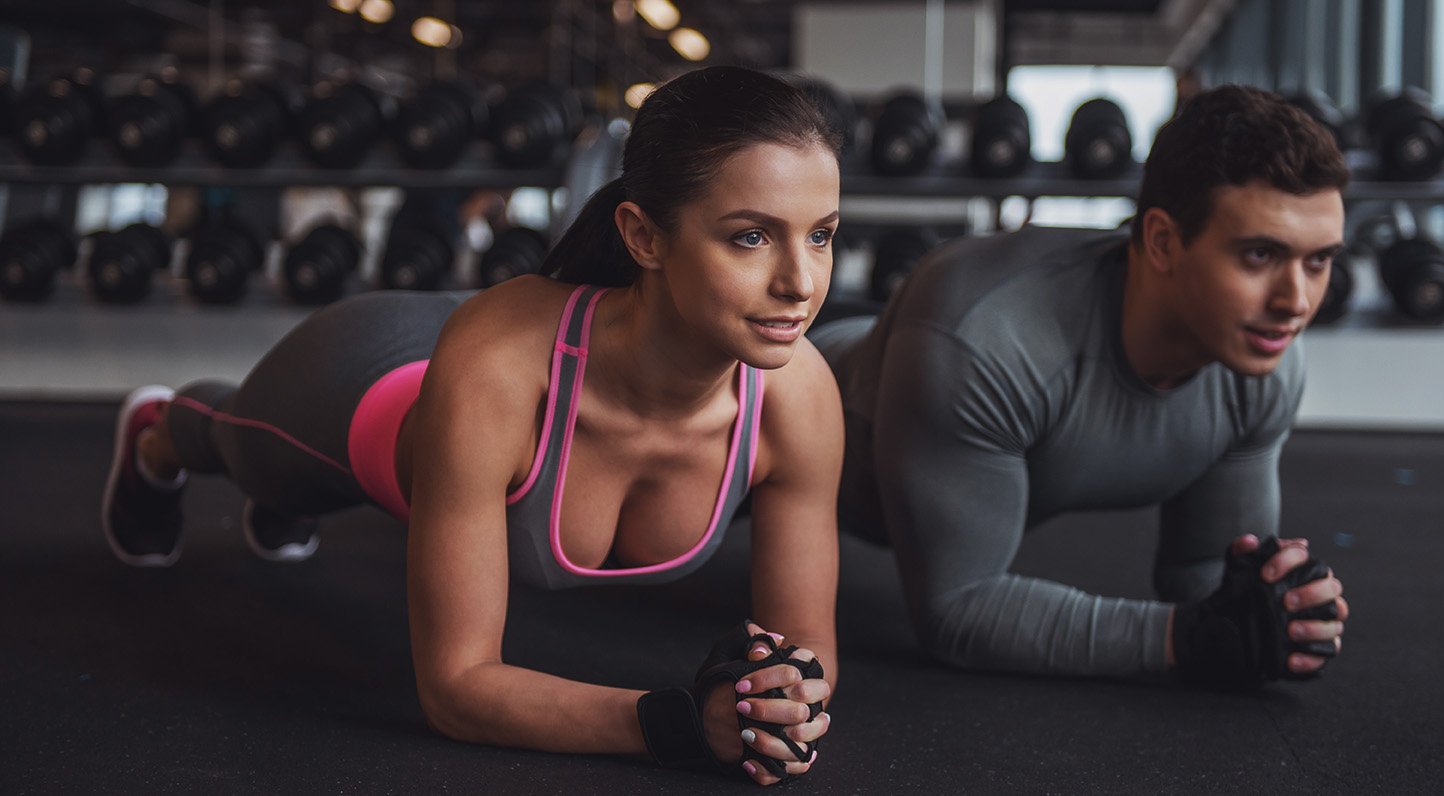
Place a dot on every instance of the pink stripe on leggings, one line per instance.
(193, 404)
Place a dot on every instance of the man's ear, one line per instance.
(1161, 242)
(641, 237)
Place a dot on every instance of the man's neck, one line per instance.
(1156, 344)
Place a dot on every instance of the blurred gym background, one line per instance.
(181, 182)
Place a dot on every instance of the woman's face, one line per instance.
(750, 261)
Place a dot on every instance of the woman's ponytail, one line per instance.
(591, 251)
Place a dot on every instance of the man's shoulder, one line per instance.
(1024, 275)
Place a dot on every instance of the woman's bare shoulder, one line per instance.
(511, 324)
(804, 385)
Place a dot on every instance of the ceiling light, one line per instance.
(348, 6)
(689, 44)
(377, 11)
(637, 93)
(431, 31)
(660, 14)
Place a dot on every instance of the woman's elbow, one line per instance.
(448, 712)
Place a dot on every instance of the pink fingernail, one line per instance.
(749, 768)
(744, 686)
(776, 637)
(814, 757)
(745, 708)
(760, 648)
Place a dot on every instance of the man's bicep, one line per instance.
(954, 491)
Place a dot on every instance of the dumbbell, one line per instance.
(905, 134)
(837, 109)
(223, 255)
(435, 127)
(1409, 140)
(148, 125)
(516, 251)
(1002, 145)
(1413, 271)
(315, 269)
(341, 123)
(54, 121)
(532, 122)
(122, 263)
(245, 123)
(896, 253)
(1098, 145)
(30, 257)
(419, 251)
(1322, 110)
(1335, 302)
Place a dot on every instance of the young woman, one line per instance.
(600, 427)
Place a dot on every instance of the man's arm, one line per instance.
(950, 433)
(1236, 496)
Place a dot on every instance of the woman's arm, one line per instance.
(473, 431)
(794, 507)
(794, 560)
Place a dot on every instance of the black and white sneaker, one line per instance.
(142, 520)
(279, 537)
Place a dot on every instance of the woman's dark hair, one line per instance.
(1233, 135)
(682, 136)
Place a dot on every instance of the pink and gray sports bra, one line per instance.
(533, 511)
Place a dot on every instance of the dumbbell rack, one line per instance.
(73, 347)
(1367, 371)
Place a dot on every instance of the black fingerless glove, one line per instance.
(1239, 634)
(671, 718)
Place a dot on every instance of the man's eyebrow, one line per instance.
(1274, 243)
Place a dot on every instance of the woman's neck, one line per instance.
(644, 358)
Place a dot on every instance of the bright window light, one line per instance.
(660, 14)
(689, 44)
(1050, 94)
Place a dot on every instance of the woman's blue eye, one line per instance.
(753, 238)
(820, 237)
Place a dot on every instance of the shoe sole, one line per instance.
(136, 398)
(288, 553)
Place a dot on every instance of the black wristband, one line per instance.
(672, 727)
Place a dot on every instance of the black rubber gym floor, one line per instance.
(226, 674)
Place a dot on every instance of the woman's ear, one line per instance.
(641, 237)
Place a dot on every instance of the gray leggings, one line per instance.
(281, 435)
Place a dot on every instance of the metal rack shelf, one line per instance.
(192, 167)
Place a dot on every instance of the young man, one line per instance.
(1023, 375)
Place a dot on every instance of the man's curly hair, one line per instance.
(1234, 135)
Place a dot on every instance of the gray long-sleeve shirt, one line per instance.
(993, 393)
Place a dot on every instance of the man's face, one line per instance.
(1254, 277)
